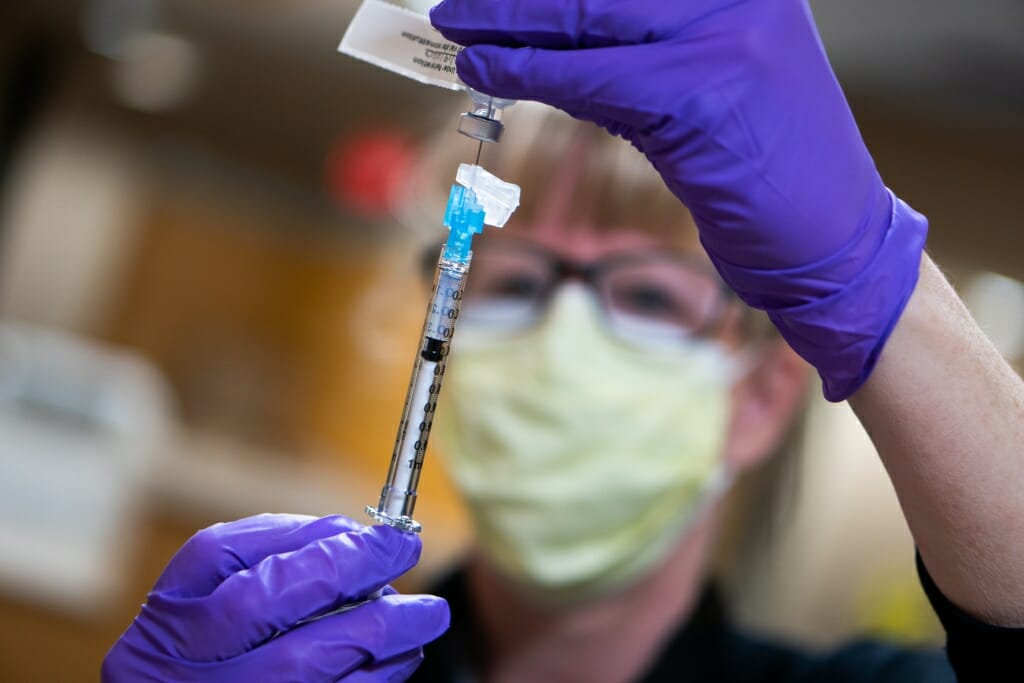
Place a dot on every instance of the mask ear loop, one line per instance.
(712, 492)
(743, 362)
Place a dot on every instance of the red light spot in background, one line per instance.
(365, 171)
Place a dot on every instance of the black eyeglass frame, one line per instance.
(591, 273)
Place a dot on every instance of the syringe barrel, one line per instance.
(398, 497)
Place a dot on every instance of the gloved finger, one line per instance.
(254, 604)
(394, 670)
(338, 647)
(221, 550)
(565, 24)
(135, 661)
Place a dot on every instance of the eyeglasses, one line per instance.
(647, 295)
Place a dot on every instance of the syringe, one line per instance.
(464, 217)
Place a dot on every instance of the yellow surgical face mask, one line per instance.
(582, 458)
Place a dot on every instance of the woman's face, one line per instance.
(763, 402)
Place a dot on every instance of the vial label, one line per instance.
(403, 42)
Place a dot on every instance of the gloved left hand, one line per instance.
(233, 604)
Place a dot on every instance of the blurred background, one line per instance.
(206, 311)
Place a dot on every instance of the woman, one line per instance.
(604, 392)
(593, 487)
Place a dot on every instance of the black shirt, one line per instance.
(707, 649)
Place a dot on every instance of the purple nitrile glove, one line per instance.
(735, 104)
(232, 606)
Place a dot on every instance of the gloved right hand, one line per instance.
(232, 605)
(735, 104)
